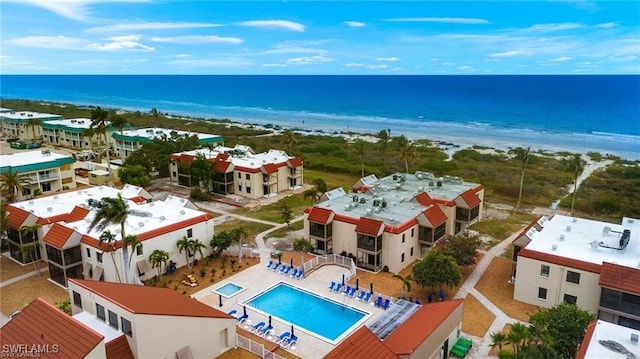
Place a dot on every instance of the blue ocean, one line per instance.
(573, 112)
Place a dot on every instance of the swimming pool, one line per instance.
(322, 317)
(229, 290)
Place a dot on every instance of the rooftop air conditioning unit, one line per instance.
(562, 237)
(634, 338)
(554, 247)
(568, 228)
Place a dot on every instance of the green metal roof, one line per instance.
(39, 166)
(143, 139)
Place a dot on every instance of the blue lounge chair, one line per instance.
(386, 304)
(241, 319)
(300, 274)
(289, 342)
(264, 331)
(270, 264)
(275, 267)
(361, 295)
(283, 268)
(286, 270)
(418, 301)
(332, 286)
(352, 293)
(257, 327)
(367, 297)
(378, 302)
(347, 290)
(294, 273)
(233, 313)
(284, 336)
(338, 287)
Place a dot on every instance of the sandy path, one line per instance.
(590, 167)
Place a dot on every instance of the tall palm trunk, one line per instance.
(125, 254)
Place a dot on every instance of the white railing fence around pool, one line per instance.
(255, 347)
(332, 259)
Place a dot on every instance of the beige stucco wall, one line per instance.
(449, 329)
(528, 280)
(99, 352)
(163, 336)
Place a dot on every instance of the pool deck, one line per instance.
(258, 278)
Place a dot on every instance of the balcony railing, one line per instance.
(45, 178)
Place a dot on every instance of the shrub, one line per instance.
(198, 195)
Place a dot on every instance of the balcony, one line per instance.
(46, 178)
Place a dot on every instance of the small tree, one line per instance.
(436, 270)
(158, 258)
(576, 167)
(286, 212)
(110, 240)
(462, 248)
(406, 283)
(521, 155)
(303, 246)
(566, 325)
(195, 246)
(220, 242)
(135, 175)
(239, 234)
(184, 245)
(498, 339)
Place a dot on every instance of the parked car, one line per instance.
(33, 145)
(18, 145)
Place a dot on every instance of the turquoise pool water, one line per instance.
(317, 315)
(229, 290)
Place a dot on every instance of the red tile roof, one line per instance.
(247, 169)
(222, 166)
(58, 235)
(424, 199)
(269, 168)
(295, 162)
(361, 344)
(626, 279)
(42, 324)
(17, 216)
(369, 226)
(222, 157)
(137, 199)
(584, 346)
(77, 214)
(419, 326)
(170, 227)
(119, 348)
(182, 158)
(559, 260)
(435, 215)
(471, 197)
(138, 299)
(320, 215)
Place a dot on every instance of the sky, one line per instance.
(319, 37)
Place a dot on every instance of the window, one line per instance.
(99, 257)
(402, 258)
(113, 319)
(247, 176)
(248, 189)
(412, 251)
(573, 277)
(139, 250)
(239, 188)
(239, 175)
(126, 327)
(77, 299)
(413, 232)
(88, 253)
(542, 293)
(402, 237)
(26, 191)
(189, 233)
(571, 299)
(100, 311)
(544, 270)
(46, 187)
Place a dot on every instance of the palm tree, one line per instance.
(12, 183)
(406, 150)
(33, 247)
(120, 123)
(383, 138)
(135, 245)
(183, 245)
(517, 337)
(521, 155)
(289, 139)
(154, 112)
(110, 239)
(313, 194)
(195, 246)
(88, 132)
(157, 259)
(239, 234)
(303, 246)
(99, 123)
(360, 147)
(498, 339)
(114, 211)
(406, 283)
(576, 167)
(321, 185)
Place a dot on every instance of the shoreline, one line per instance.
(453, 137)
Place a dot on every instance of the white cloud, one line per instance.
(71, 9)
(514, 53)
(354, 64)
(309, 60)
(284, 49)
(448, 20)
(282, 24)
(126, 42)
(355, 24)
(152, 26)
(212, 63)
(274, 65)
(49, 42)
(466, 68)
(390, 59)
(378, 66)
(198, 39)
(561, 59)
(554, 27)
(606, 25)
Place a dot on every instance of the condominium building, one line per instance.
(48, 171)
(590, 263)
(407, 330)
(72, 133)
(156, 322)
(25, 125)
(42, 212)
(393, 221)
(239, 171)
(131, 140)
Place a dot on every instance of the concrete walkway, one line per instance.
(7, 282)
